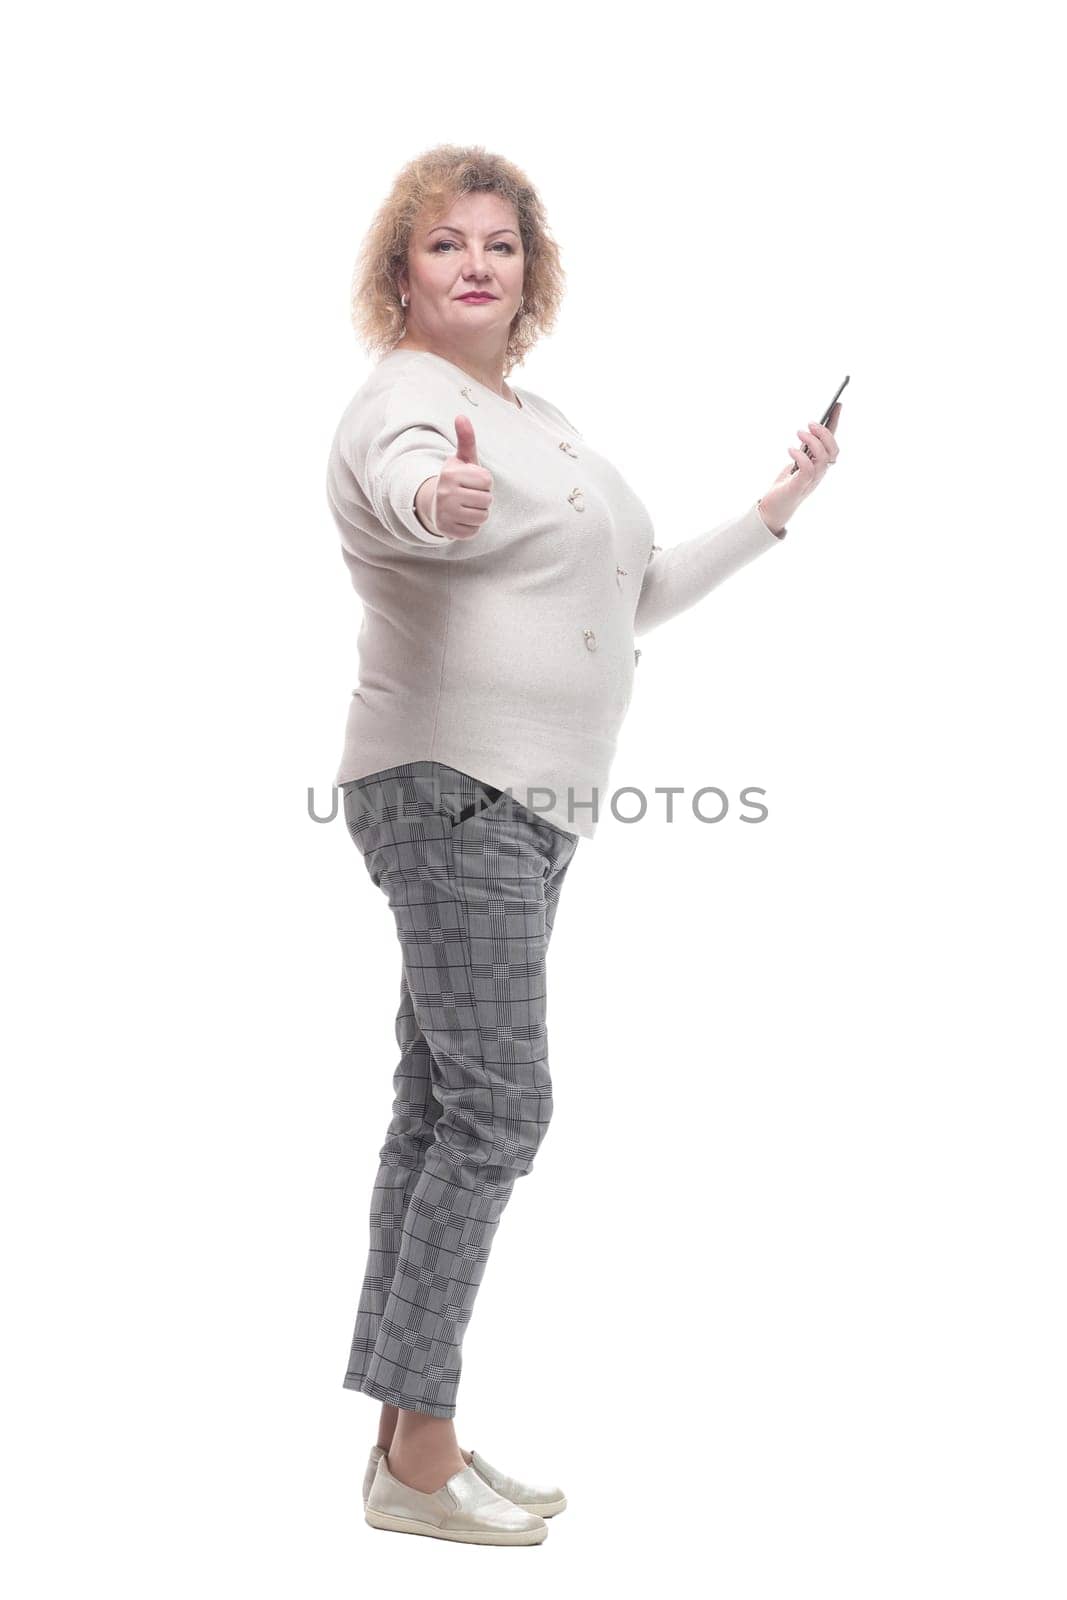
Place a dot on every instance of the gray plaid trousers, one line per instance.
(473, 880)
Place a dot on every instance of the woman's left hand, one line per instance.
(778, 503)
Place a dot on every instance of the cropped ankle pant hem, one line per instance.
(393, 1397)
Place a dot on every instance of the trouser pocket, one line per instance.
(488, 796)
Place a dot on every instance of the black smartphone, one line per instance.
(824, 419)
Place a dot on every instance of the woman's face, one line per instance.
(473, 247)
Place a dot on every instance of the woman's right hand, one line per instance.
(462, 494)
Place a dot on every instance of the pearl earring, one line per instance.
(404, 301)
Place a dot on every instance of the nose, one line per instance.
(477, 265)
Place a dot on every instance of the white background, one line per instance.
(781, 1305)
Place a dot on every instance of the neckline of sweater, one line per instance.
(463, 373)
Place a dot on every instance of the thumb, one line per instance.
(466, 449)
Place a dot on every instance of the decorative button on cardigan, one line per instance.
(509, 655)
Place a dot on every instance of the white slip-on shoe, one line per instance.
(546, 1500)
(465, 1508)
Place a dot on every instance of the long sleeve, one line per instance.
(398, 462)
(390, 450)
(393, 465)
(676, 578)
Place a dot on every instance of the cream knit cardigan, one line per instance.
(509, 655)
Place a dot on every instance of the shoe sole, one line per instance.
(551, 1508)
(382, 1519)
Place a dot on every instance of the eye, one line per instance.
(502, 244)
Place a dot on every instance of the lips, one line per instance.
(477, 298)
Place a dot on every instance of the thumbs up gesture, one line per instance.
(464, 493)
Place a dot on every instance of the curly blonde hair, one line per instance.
(434, 179)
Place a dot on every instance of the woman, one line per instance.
(505, 568)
